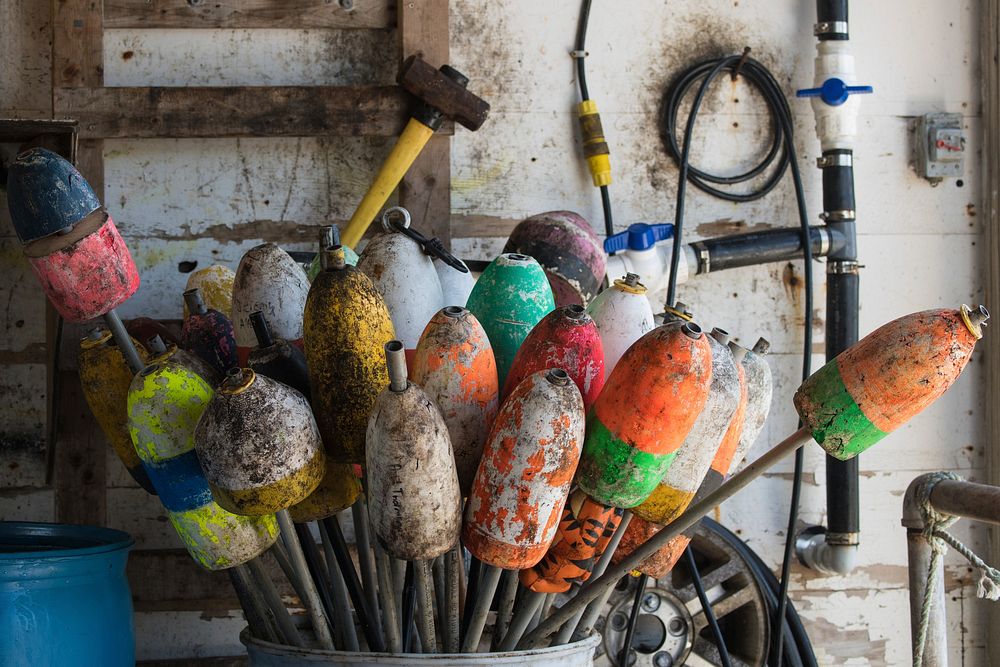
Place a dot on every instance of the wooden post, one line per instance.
(990, 52)
(425, 191)
(79, 465)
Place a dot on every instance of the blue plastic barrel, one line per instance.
(64, 598)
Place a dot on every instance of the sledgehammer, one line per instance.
(441, 94)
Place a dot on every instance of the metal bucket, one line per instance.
(266, 654)
(64, 598)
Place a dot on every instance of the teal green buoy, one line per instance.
(509, 299)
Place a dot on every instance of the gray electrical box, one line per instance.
(940, 146)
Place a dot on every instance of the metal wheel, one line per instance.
(672, 628)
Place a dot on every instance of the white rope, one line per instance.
(939, 540)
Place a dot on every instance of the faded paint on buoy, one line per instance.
(337, 491)
(528, 463)
(277, 359)
(165, 403)
(268, 280)
(346, 328)
(566, 338)
(456, 286)
(216, 285)
(208, 334)
(584, 531)
(161, 354)
(509, 299)
(567, 248)
(623, 315)
(46, 194)
(259, 446)
(413, 496)
(454, 365)
(88, 271)
(407, 281)
(105, 378)
(886, 378)
(694, 458)
(759, 390)
(644, 413)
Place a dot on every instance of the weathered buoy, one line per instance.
(568, 249)
(86, 272)
(456, 286)
(346, 328)
(413, 496)
(329, 235)
(46, 194)
(584, 531)
(216, 285)
(885, 379)
(407, 281)
(337, 491)
(759, 389)
(259, 446)
(682, 479)
(566, 338)
(208, 334)
(454, 365)
(623, 315)
(525, 473)
(165, 403)
(270, 281)
(105, 378)
(644, 413)
(276, 358)
(160, 353)
(509, 299)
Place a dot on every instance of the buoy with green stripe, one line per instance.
(165, 402)
(259, 445)
(889, 376)
(645, 411)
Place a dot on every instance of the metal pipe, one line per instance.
(919, 554)
(344, 620)
(596, 587)
(254, 608)
(967, 500)
(124, 341)
(387, 598)
(487, 588)
(452, 574)
(425, 605)
(338, 546)
(274, 603)
(194, 301)
(312, 601)
(396, 361)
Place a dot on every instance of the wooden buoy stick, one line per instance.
(312, 602)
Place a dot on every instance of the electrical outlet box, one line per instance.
(940, 146)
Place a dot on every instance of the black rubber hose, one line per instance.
(706, 605)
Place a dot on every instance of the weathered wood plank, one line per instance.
(376, 14)
(80, 470)
(241, 111)
(169, 580)
(426, 188)
(77, 43)
(219, 661)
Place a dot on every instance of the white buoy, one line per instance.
(623, 315)
(455, 285)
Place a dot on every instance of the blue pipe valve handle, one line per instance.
(639, 236)
(834, 91)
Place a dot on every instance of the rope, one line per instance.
(939, 540)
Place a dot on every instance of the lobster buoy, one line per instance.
(216, 285)
(208, 334)
(276, 358)
(268, 280)
(509, 299)
(623, 315)
(456, 286)
(161, 353)
(454, 365)
(566, 338)
(568, 249)
(528, 464)
(259, 446)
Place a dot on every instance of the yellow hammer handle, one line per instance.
(413, 139)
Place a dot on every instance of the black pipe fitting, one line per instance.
(773, 245)
(831, 17)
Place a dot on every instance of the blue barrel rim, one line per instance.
(61, 540)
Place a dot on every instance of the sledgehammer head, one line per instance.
(444, 91)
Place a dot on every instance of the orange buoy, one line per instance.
(644, 413)
(454, 364)
(524, 476)
(566, 338)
